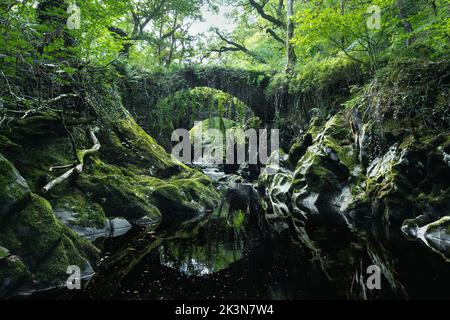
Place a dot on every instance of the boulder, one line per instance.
(42, 246)
(14, 189)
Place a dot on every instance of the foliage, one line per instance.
(184, 108)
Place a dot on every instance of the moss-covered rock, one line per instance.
(14, 190)
(435, 234)
(45, 246)
(3, 253)
(126, 193)
(118, 194)
(131, 176)
(298, 149)
(82, 211)
(13, 273)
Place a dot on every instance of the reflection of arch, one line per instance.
(247, 86)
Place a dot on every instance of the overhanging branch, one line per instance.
(235, 47)
(260, 9)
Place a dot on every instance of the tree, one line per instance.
(290, 50)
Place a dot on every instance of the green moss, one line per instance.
(186, 194)
(128, 193)
(298, 150)
(436, 198)
(53, 269)
(143, 146)
(346, 153)
(171, 198)
(14, 189)
(120, 195)
(199, 189)
(312, 171)
(442, 225)
(46, 246)
(320, 179)
(314, 128)
(336, 128)
(6, 143)
(446, 144)
(33, 232)
(253, 123)
(84, 212)
(35, 160)
(13, 273)
(238, 220)
(3, 253)
(319, 168)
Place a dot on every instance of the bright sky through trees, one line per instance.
(214, 20)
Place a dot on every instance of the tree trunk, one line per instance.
(52, 14)
(402, 14)
(290, 52)
(280, 9)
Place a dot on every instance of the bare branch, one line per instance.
(78, 168)
(260, 9)
(234, 47)
(62, 96)
(275, 36)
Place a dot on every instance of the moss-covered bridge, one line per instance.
(143, 93)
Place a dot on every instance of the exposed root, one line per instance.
(75, 168)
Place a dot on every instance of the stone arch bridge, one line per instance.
(143, 93)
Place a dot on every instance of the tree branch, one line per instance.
(275, 36)
(236, 47)
(260, 9)
(81, 154)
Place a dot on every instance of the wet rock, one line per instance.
(170, 199)
(119, 227)
(298, 149)
(214, 173)
(435, 235)
(231, 179)
(112, 227)
(410, 227)
(13, 273)
(241, 196)
(77, 210)
(249, 171)
(14, 188)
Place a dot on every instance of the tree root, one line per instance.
(76, 168)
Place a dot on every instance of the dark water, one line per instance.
(230, 253)
(225, 255)
(215, 257)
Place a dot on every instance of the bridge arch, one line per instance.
(248, 86)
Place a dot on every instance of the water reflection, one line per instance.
(220, 241)
(198, 260)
